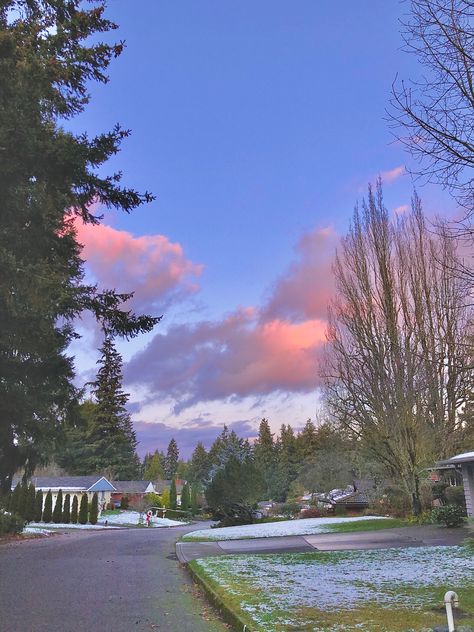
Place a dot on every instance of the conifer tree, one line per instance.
(30, 503)
(67, 509)
(51, 179)
(15, 498)
(194, 498)
(58, 508)
(83, 510)
(94, 511)
(74, 510)
(199, 465)
(22, 501)
(185, 500)
(171, 460)
(38, 506)
(165, 498)
(48, 507)
(173, 495)
(111, 439)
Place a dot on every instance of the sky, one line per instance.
(258, 126)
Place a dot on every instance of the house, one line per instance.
(133, 490)
(465, 463)
(74, 486)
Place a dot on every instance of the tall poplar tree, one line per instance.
(50, 179)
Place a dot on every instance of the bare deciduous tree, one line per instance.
(396, 364)
(434, 117)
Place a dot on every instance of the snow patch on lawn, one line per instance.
(282, 584)
(36, 530)
(62, 525)
(133, 517)
(307, 526)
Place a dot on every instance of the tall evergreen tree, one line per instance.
(48, 507)
(30, 503)
(265, 454)
(185, 499)
(58, 508)
(307, 441)
(94, 511)
(67, 509)
(173, 495)
(39, 506)
(194, 498)
(74, 510)
(83, 510)
(49, 181)
(172, 458)
(105, 438)
(198, 470)
(153, 469)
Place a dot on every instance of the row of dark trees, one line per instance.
(28, 503)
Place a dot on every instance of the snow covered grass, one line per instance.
(390, 590)
(29, 530)
(51, 526)
(132, 518)
(307, 526)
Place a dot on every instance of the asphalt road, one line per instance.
(100, 581)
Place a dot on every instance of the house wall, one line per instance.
(468, 480)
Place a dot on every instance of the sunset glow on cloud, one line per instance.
(151, 265)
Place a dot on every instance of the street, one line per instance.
(118, 581)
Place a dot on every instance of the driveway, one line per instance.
(426, 535)
(99, 581)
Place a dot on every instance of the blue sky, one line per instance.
(258, 126)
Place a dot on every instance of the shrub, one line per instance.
(312, 512)
(165, 498)
(74, 510)
(38, 506)
(124, 502)
(110, 506)
(11, 522)
(67, 509)
(340, 510)
(94, 512)
(185, 499)
(83, 510)
(173, 514)
(449, 516)
(48, 507)
(152, 500)
(455, 496)
(394, 501)
(58, 508)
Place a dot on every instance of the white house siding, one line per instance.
(468, 480)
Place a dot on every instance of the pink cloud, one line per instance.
(152, 266)
(236, 357)
(400, 210)
(303, 292)
(393, 174)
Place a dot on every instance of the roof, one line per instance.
(94, 483)
(356, 498)
(465, 457)
(134, 487)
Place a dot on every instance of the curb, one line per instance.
(230, 616)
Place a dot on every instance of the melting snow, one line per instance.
(133, 517)
(307, 526)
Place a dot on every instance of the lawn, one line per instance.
(308, 526)
(391, 590)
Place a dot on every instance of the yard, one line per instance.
(308, 526)
(391, 590)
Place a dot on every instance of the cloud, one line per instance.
(250, 352)
(156, 436)
(400, 210)
(152, 266)
(392, 174)
(304, 291)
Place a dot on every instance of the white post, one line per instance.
(450, 600)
